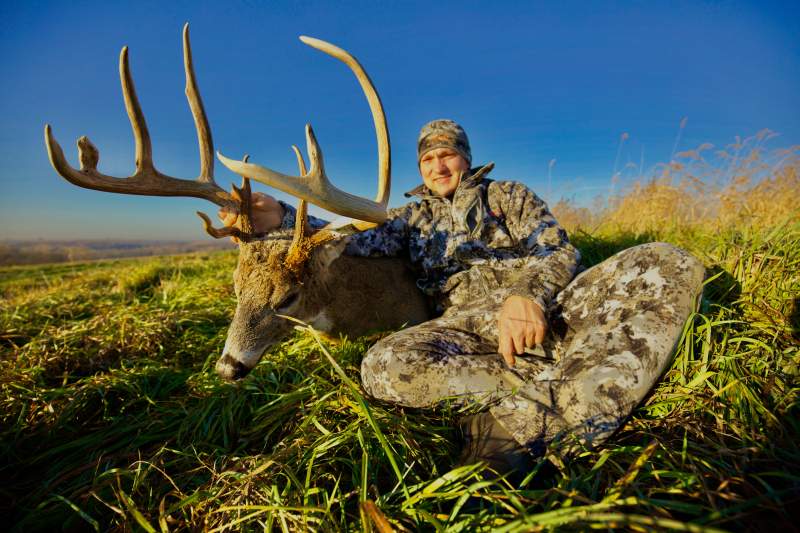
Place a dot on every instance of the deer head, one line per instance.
(270, 279)
(269, 287)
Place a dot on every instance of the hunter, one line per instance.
(547, 355)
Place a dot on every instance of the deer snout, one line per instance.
(230, 369)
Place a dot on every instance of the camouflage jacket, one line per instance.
(490, 235)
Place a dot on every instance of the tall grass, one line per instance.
(111, 417)
(745, 184)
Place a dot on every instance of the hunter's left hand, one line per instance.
(521, 323)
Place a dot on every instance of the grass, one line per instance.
(111, 417)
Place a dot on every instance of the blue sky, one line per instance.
(530, 82)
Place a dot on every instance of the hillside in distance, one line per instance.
(18, 252)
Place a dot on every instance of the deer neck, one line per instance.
(356, 295)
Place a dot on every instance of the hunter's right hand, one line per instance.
(267, 214)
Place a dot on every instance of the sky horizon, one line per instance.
(544, 90)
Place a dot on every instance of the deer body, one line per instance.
(337, 294)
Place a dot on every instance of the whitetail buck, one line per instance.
(303, 274)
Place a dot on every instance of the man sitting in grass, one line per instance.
(547, 357)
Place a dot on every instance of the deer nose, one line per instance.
(230, 369)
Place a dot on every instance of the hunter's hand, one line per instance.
(521, 323)
(267, 214)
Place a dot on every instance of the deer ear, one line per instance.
(327, 253)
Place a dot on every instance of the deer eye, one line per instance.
(287, 301)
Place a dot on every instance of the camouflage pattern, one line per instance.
(485, 237)
(290, 214)
(443, 133)
(612, 333)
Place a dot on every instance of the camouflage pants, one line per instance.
(612, 334)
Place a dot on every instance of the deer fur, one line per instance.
(334, 293)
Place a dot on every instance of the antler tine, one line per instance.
(219, 233)
(147, 180)
(198, 113)
(243, 194)
(314, 185)
(141, 135)
(301, 163)
(302, 244)
(301, 226)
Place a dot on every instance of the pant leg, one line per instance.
(617, 324)
(453, 357)
(623, 319)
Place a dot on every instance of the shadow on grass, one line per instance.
(100, 424)
(723, 289)
(104, 424)
(597, 248)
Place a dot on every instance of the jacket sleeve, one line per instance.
(290, 214)
(549, 261)
(389, 239)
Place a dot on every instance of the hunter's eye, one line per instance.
(287, 301)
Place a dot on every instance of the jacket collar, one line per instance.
(475, 176)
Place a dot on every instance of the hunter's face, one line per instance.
(441, 170)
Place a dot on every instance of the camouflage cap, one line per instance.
(443, 133)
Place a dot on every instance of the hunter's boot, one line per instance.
(485, 439)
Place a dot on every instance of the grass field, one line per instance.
(111, 416)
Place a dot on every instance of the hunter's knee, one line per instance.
(379, 369)
(388, 373)
(672, 262)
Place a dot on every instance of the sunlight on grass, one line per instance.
(112, 418)
(706, 190)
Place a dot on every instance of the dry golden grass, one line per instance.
(743, 185)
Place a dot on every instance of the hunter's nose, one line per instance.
(230, 369)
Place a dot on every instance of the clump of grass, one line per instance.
(64, 324)
(111, 416)
(142, 280)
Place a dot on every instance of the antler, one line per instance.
(244, 206)
(304, 239)
(302, 229)
(314, 185)
(146, 180)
